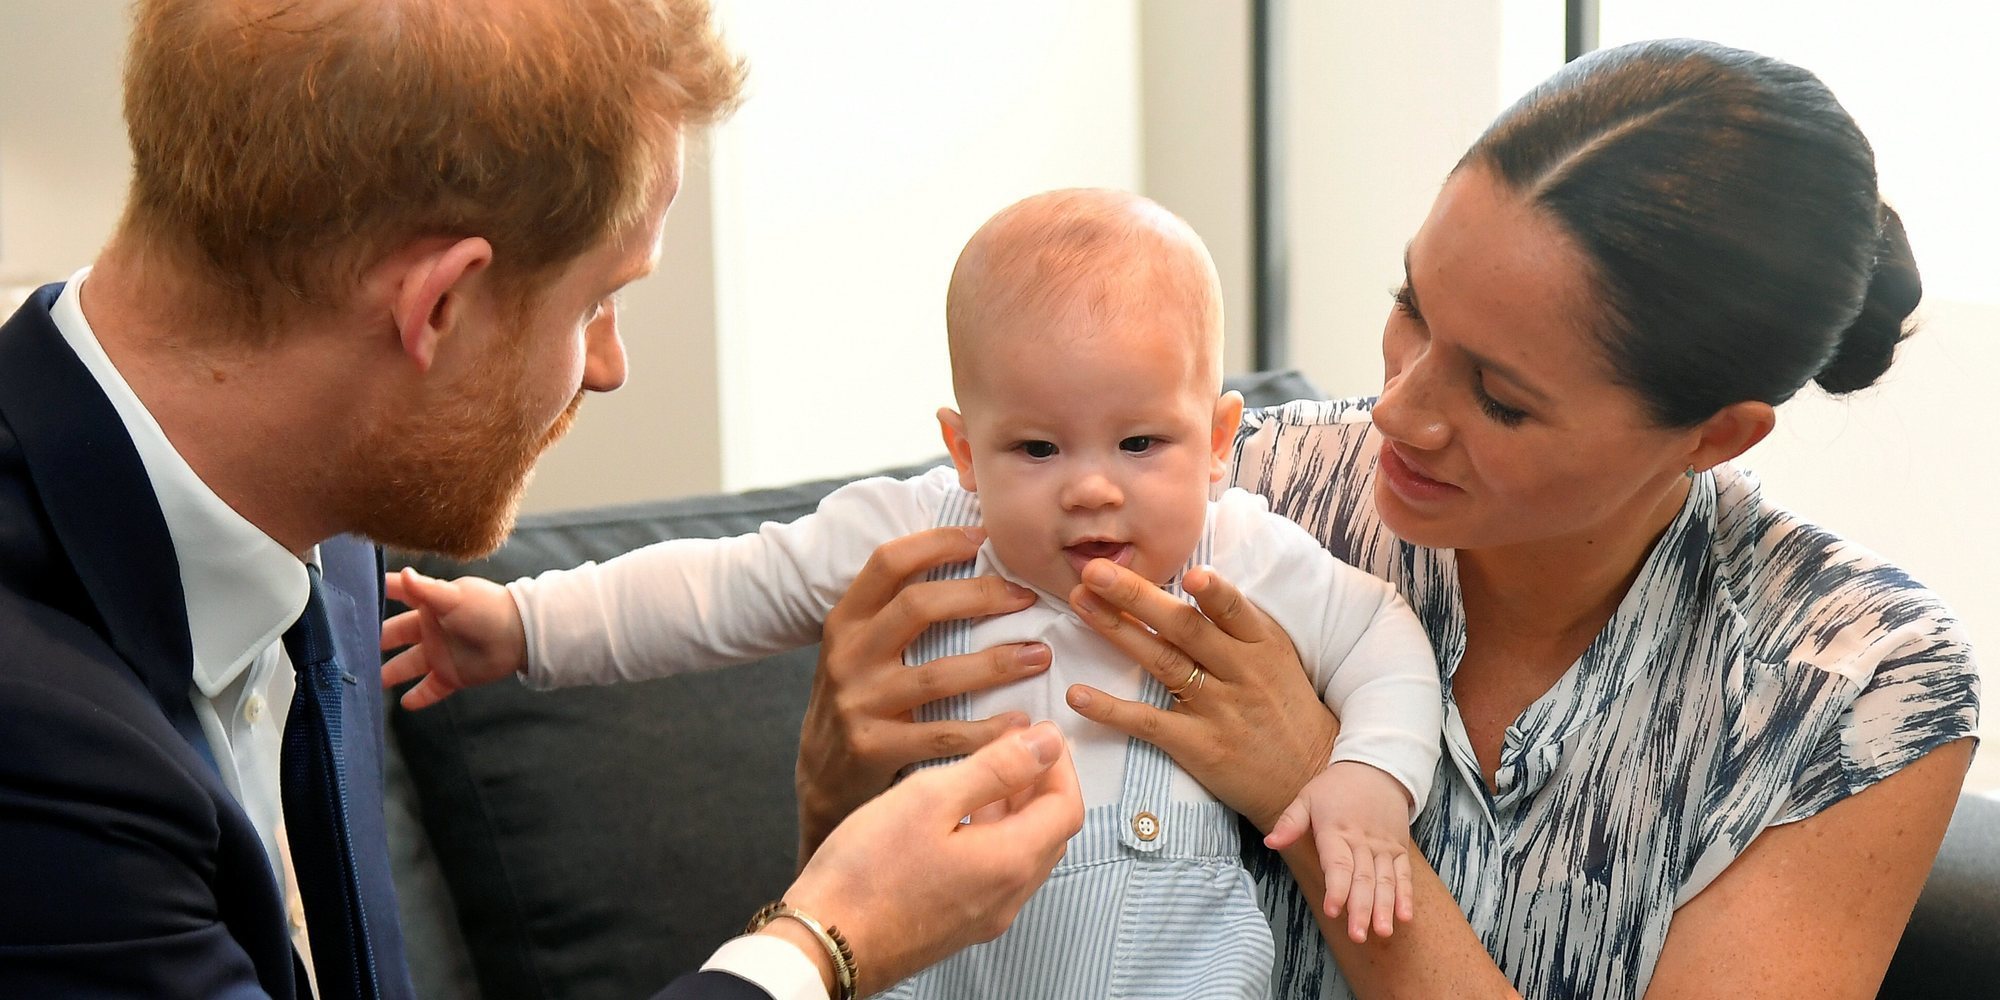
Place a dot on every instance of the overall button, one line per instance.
(1146, 825)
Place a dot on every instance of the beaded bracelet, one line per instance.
(845, 971)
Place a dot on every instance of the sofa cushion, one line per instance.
(597, 841)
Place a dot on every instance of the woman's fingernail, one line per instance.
(1020, 593)
(1079, 698)
(1088, 603)
(1033, 654)
(976, 535)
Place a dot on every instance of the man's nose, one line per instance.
(604, 353)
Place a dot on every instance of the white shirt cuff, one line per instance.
(772, 964)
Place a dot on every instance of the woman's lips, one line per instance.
(1408, 483)
(1080, 554)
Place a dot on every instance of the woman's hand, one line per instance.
(858, 730)
(1254, 693)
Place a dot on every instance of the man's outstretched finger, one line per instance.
(1001, 768)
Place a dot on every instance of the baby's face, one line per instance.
(1101, 446)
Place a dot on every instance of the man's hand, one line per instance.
(908, 884)
(462, 633)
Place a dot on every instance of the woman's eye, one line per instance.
(1406, 301)
(1037, 449)
(1136, 444)
(1497, 411)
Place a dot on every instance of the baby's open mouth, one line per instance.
(1082, 553)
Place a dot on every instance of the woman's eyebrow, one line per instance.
(1506, 373)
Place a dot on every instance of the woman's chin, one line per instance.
(1426, 528)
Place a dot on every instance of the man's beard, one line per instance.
(450, 481)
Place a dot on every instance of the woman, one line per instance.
(1696, 746)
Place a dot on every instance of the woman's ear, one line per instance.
(431, 295)
(959, 445)
(1730, 432)
(1222, 433)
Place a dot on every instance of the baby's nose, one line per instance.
(1090, 491)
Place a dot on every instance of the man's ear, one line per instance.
(959, 445)
(431, 295)
(1733, 430)
(1222, 433)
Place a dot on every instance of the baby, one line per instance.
(1085, 331)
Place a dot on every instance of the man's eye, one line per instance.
(1137, 444)
(1037, 449)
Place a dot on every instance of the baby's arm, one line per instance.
(1372, 663)
(697, 603)
(462, 633)
(670, 607)
(1359, 818)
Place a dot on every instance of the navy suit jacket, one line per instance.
(130, 870)
(126, 867)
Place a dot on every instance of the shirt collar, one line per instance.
(243, 589)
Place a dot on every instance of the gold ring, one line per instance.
(1190, 687)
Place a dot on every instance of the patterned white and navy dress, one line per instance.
(1760, 670)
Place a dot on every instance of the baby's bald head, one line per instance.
(1085, 262)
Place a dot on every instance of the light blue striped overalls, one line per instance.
(1151, 899)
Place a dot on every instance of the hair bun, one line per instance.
(1868, 344)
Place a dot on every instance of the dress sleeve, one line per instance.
(698, 603)
(1922, 694)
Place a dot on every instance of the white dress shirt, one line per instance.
(243, 590)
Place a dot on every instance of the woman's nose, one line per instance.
(1407, 412)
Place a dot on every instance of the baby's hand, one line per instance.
(1360, 818)
(461, 634)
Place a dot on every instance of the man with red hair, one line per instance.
(364, 278)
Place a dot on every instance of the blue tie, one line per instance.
(313, 786)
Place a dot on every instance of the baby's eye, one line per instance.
(1037, 449)
(1138, 444)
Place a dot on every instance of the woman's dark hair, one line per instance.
(1728, 205)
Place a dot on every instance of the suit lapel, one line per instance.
(101, 506)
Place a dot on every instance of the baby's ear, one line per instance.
(959, 445)
(1222, 433)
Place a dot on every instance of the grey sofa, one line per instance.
(594, 842)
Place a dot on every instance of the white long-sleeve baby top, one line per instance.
(695, 604)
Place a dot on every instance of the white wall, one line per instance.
(1196, 94)
(1380, 100)
(64, 161)
(876, 138)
